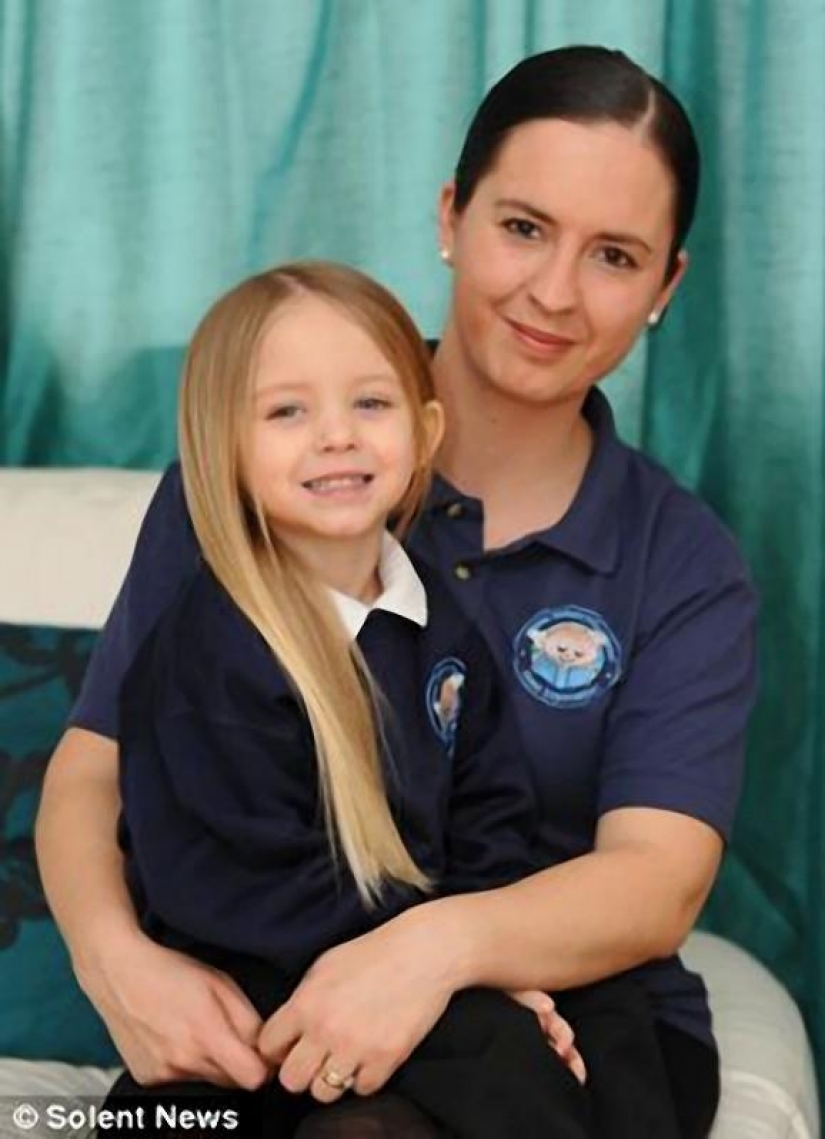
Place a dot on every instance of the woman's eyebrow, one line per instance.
(548, 219)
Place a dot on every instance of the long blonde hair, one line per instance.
(287, 605)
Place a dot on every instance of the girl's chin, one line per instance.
(346, 532)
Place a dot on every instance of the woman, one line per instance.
(614, 602)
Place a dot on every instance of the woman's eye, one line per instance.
(521, 227)
(616, 258)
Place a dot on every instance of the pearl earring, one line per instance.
(445, 254)
(653, 319)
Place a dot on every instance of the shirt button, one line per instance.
(455, 510)
(462, 572)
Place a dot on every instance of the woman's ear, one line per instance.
(666, 295)
(446, 221)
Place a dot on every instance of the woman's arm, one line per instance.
(170, 1017)
(373, 999)
(669, 780)
(634, 898)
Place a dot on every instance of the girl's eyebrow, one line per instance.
(547, 219)
(377, 378)
(279, 388)
(297, 387)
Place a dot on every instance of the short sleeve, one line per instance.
(676, 731)
(165, 557)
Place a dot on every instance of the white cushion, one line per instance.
(768, 1081)
(67, 537)
(36, 1084)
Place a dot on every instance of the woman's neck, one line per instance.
(524, 461)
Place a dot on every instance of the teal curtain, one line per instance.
(154, 152)
(733, 404)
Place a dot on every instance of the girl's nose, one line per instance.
(337, 432)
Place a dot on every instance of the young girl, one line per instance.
(311, 739)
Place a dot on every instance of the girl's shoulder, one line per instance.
(205, 643)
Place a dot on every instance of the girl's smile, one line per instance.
(339, 484)
(331, 449)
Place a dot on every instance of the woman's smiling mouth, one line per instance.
(545, 343)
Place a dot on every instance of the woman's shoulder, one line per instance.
(686, 587)
(679, 531)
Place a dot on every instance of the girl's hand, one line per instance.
(173, 1018)
(360, 1010)
(559, 1034)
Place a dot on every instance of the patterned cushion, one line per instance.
(44, 1013)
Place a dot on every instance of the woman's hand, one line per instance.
(361, 1009)
(556, 1029)
(173, 1018)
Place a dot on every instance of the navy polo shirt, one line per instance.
(222, 826)
(625, 634)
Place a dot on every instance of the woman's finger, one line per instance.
(334, 1079)
(302, 1065)
(576, 1065)
(560, 1033)
(280, 1034)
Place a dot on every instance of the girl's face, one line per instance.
(559, 257)
(331, 449)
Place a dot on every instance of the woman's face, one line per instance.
(559, 257)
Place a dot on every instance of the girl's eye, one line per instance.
(522, 227)
(284, 411)
(616, 258)
(373, 403)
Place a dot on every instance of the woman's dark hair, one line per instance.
(585, 85)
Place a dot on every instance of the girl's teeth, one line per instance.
(337, 484)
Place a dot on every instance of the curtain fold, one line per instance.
(153, 153)
(734, 407)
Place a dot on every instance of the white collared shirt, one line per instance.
(402, 591)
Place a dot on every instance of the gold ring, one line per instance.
(334, 1080)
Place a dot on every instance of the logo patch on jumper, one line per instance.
(445, 693)
(567, 657)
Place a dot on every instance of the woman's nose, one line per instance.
(554, 286)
